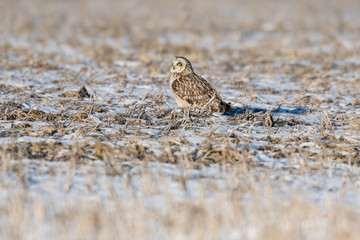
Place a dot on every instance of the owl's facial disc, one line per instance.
(177, 65)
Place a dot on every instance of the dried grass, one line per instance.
(309, 45)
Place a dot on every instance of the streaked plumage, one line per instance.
(192, 90)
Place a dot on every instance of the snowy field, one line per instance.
(91, 148)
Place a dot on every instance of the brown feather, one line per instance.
(196, 91)
(192, 90)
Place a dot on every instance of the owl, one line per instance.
(192, 90)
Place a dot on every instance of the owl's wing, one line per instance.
(194, 89)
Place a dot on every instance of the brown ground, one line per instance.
(87, 81)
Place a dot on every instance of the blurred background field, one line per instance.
(90, 148)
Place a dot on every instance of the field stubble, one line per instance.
(92, 149)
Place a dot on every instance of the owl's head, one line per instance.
(181, 65)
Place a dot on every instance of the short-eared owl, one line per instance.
(192, 90)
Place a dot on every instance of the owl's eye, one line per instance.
(179, 64)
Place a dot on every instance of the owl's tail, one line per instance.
(224, 107)
(219, 106)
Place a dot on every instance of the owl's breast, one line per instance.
(173, 77)
(182, 103)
